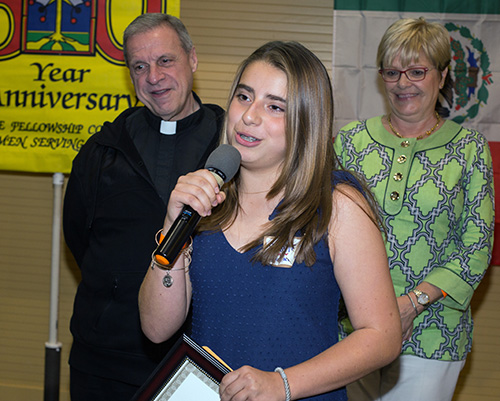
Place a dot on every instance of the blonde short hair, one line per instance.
(408, 37)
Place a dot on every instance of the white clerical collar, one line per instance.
(168, 127)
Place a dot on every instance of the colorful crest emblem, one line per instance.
(59, 26)
(470, 71)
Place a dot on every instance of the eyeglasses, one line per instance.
(413, 74)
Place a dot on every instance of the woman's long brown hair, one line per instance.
(306, 175)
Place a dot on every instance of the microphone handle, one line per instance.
(170, 247)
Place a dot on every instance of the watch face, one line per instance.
(423, 299)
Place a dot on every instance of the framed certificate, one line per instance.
(187, 373)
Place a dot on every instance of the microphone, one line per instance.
(223, 163)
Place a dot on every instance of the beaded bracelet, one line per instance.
(282, 373)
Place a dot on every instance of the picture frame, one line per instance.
(188, 372)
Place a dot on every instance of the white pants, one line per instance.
(408, 378)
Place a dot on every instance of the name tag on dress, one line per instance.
(287, 256)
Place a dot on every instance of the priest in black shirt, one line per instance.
(116, 201)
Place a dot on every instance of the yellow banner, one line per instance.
(62, 75)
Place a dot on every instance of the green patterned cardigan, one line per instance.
(436, 199)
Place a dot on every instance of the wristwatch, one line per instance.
(422, 298)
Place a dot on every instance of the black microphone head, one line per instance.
(224, 161)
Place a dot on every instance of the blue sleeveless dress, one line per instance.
(263, 316)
